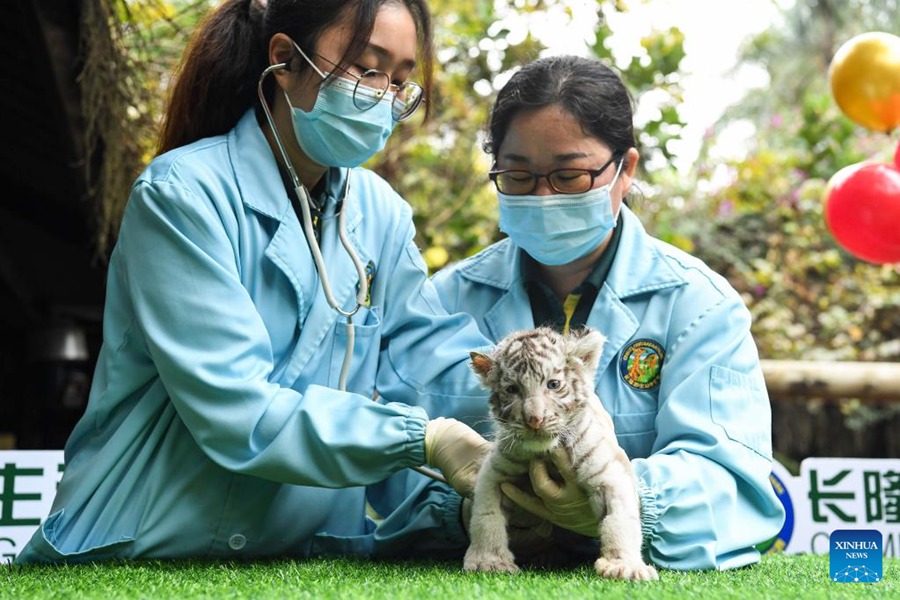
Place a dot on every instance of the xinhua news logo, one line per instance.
(856, 556)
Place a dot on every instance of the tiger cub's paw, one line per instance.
(625, 569)
(503, 562)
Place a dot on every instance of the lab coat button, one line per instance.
(237, 541)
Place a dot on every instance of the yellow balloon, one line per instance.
(865, 80)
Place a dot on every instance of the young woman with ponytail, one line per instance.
(224, 420)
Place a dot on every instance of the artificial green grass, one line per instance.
(777, 576)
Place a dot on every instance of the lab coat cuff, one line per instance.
(416, 420)
(650, 512)
(452, 521)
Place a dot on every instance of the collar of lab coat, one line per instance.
(262, 190)
(260, 182)
(639, 267)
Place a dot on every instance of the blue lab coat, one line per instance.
(214, 427)
(699, 434)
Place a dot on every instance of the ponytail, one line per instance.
(215, 83)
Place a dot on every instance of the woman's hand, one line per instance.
(457, 450)
(563, 503)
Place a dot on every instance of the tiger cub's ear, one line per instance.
(587, 345)
(481, 364)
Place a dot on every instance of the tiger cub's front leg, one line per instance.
(489, 546)
(620, 526)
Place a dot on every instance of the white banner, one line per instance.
(28, 480)
(837, 493)
(829, 494)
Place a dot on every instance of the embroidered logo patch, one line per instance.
(641, 363)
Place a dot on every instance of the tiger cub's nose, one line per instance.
(535, 422)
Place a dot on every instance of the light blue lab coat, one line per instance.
(214, 427)
(700, 440)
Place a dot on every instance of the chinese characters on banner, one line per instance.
(28, 480)
(837, 493)
(829, 494)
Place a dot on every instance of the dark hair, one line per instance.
(587, 88)
(216, 80)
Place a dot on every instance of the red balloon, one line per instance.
(862, 210)
(897, 157)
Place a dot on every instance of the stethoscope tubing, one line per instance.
(363, 289)
(304, 201)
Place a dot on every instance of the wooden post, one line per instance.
(800, 380)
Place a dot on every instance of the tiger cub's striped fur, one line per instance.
(542, 396)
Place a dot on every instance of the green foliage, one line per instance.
(439, 166)
(657, 73)
(130, 48)
(809, 299)
(759, 219)
(765, 229)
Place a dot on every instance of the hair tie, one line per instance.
(255, 6)
(256, 9)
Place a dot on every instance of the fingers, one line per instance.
(456, 450)
(444, 435)
(543, 484)
(525, 501)
(560, 459)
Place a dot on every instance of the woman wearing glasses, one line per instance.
(263, 290)
(680, 373)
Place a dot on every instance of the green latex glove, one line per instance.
(563, 503)
(457, 450)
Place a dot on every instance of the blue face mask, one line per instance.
(559, 228)
(335, 133)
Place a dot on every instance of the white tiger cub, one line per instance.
(542, 396)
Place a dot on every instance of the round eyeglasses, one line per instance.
(371, 87)
(516, 182)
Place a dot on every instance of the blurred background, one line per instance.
(739, 136)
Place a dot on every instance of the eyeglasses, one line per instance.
(372, 85)
(515, 182)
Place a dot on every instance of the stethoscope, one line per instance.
(305, 200)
